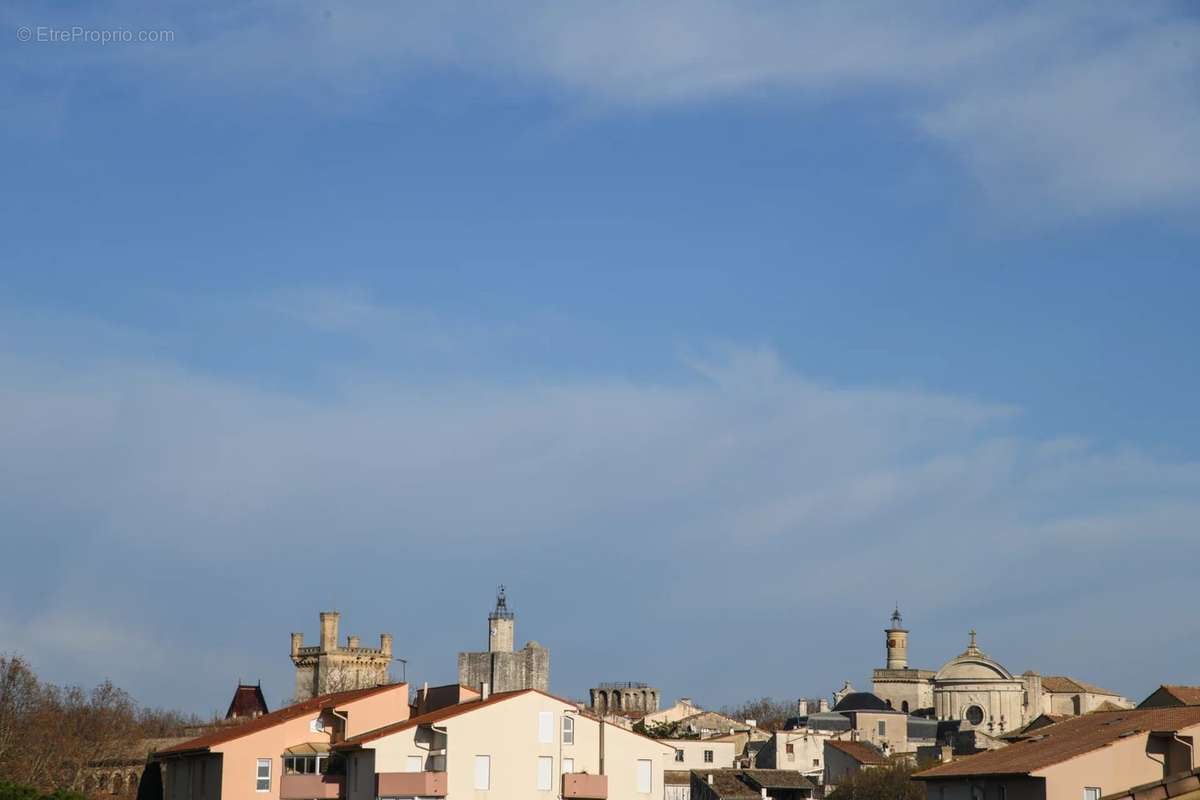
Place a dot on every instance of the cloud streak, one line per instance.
(733, 488)
(1074, 111)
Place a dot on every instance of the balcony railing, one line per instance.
(410, 784)
(581, 786)
(311, 787)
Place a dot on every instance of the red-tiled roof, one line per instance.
(1068, 685)
(861, 752)
(319, 703)
(464, 707)
(1168, 695)
(1065, 740)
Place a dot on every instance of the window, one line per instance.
(708, 758)
(816, 762)
(975, 715)
(414, 764)
(262, 775)
(790, 749)
(904, 706)
(545, 727)
(545, 768)
(304, 765)
(483, 773)
(679, 755)
(568, 730)
(568, 765)
(1091, 793)
(643, 776)
(882, 728)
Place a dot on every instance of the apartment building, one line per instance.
(526, 744)
(700, 753)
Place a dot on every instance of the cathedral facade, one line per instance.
(977, 690)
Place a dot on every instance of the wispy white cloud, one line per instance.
(1074, 110)
(734, 471)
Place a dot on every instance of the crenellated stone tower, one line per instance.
(330, 668)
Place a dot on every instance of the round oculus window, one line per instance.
(975, 715)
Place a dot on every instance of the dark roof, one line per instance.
(677, 777)
(1167, 695)
(248, 701)
(1065, 740)
(828, 721)
(921, 728)
(747, 784)
(318, 703)
(862, 752)
(861, 701)
(778, 779)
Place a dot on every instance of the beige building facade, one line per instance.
(700, 754)
(525, 744)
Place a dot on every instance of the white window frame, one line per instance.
(1098, 794)
(568, 765)
(568, 730)
(546, 727)
(645, 776)
(708, 756)
(545, 773)
(483, 780)
(258, 776)
(408, 764)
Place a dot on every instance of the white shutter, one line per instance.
(546, 727)
(545, 781)
(568, 765)
(643, 775)
(483, 773)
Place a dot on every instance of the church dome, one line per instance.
(861, 701)
(973, 665)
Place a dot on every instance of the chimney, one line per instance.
(823, 705)
(710, 779)
(485, 690)
(764, 792)
(802, 707)
(329, 631)
(352, 642)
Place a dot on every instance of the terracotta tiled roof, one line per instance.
(861, 752)
(1174, 695)
(677, 777)
(1066, 685)
(315, 704)
(1065, 740)
(1186, 785)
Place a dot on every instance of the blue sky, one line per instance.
(712, 330)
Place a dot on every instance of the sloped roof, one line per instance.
(310, 706)
(465, 707)
(861, 701)
(1067, 685)
(778, 779)
(1172, 695)
(861, 752)
(1065, 740)
(248, 701)
(727, 784)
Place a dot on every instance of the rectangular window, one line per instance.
(816, 762)
(1091, 793)
(483, 773)
(545, 772)
(415, 764)
(679, 755)
(568, 730)
(643, 775)
(568, 765)
(882, 728)
(262, 775)
(708, 756)
(545, 727)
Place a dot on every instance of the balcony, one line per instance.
(311, 787)
(581, 786)
(410, 784)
